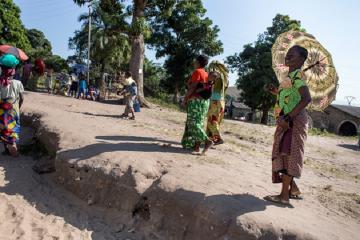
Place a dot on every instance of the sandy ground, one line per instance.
(32, 207)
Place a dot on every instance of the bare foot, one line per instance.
(294, 189)
(12, 150)
(208, 144)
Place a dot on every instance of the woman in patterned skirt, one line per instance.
(11, 99)
(197, 109)
(292, 122)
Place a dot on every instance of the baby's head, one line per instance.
(213, 76)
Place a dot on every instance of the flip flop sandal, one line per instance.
(296, 197)
(278, 200)
(195, 152)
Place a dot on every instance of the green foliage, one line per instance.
(140, 26)
(180, 33)
(254, 65)
(154, 75)
(320, 132)
(41, 47)
(12, 31)
(110, 48)
(163, 101)
(57, 63)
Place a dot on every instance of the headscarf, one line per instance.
(8, 63)
(39, 66)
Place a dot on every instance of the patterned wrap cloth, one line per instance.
(290, 162)
(217, 109)
(197, 109)
(215, 117)
(10, 91)
(9, 121)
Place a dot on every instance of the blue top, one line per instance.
(132, 89)
(82, 84)
(216, 96)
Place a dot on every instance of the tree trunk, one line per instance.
(265, 115)
(138, 52)
(176, 93)
(100, 83)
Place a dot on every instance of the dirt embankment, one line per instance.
(148, 187)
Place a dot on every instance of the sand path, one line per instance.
(232, 179)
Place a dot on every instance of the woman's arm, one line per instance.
(305, 100)
(191, 91)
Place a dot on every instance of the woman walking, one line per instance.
(11, 99)
(292, 122)
(197, 108)
(217, 101)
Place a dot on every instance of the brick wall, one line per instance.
(331, 119)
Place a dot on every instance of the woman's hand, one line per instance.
(272, 89)
(284, 124)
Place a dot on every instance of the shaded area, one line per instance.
(98, 115)
(134, 139)
(96, 149)
(49, 199)
(347, 129)
(113, 101)
(350, 146)
(163, 211)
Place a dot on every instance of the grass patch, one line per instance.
(319, 132)
(325, 133)
(165, 104)
(329, 169)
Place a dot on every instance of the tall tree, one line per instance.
(137, 30)
(57, 63)
(154, 75)
(254, 66)
(110, 47)
(41, 46)
(180, 33)
(12, 30)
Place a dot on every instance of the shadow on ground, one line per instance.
(350, 146)
(195, 207)
(98, 115)
(134, 139)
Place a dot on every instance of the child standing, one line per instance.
(48, 80)
(82, 86)
(130, 94)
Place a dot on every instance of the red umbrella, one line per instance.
(20, 54)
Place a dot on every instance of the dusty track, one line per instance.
(138, 171)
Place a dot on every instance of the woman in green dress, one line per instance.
(197, 108)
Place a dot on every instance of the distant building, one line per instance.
(234, 108)
(340, 119)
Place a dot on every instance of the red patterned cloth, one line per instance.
(292, 163)
(215, 117)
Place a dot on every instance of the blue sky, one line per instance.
(334, 23)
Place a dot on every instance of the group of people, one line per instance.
(205, 98)
(292, 96)
(72, 85)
